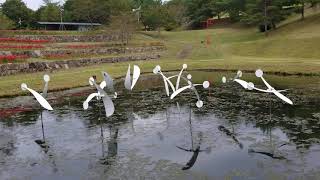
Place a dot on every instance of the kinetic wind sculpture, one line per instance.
(101, 94)
(128, 83)
(176, 89)
(250, 85)
(40, 98)
(43, 102)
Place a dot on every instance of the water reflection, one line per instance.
(270, 148)
(230, 134)
(112, 145)
(195, 145)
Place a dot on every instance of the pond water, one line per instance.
(238, 134)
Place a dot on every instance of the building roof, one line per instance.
(69, 23)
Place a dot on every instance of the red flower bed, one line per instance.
(23, 40)
(21, 47)
(11, 58)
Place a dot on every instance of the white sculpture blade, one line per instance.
(127, 81)
(103, 84)
(179, 76)
(90, 97)
(266, 83)
(262, 90)
(135, 76)
(281, 96)
(171, 85)
(100, 90)
(108, 80)
(243, 83)
(42, 101)
(108, 105)
(165, 84)
(174, 94)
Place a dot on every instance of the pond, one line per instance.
(238, 134)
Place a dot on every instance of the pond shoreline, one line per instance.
(117, 78)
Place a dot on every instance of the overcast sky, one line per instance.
(35, 4)
(32, 4)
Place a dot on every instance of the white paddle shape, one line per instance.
(107, 102)
(108, 81)
(135, 75)
(281, 96)
(243, 83)
(128, 84)
(90, 97)
(108, 105)
(42, 101)
(166, 81)
(176, 90)
(259, 73)
(174, 94)
(127, 81)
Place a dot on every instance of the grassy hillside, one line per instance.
(293, 48)
(300, 39)
(293, 44)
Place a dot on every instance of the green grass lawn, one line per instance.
(293, 48)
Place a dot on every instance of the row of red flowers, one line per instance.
(23, 40)
(11, 58)
(21, 46)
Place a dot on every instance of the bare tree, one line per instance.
(124, 24)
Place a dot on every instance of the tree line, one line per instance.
(153, 14)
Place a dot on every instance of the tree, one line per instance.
(176, 10)
(18, 12)
(300, 5)
(264, 13)
(88, 11)
(120, 6)
(49, 12)
(5, 22)
(124, 25)
(199, 10)
(234, 8)
(154, 16)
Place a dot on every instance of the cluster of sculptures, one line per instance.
(105, 91)
(107, 84)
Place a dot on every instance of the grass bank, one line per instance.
(291, 49)
(65, 79)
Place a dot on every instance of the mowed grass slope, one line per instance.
(295, 40)
(293, 48)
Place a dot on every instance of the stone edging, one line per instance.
(11, 69)
(96, 51)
